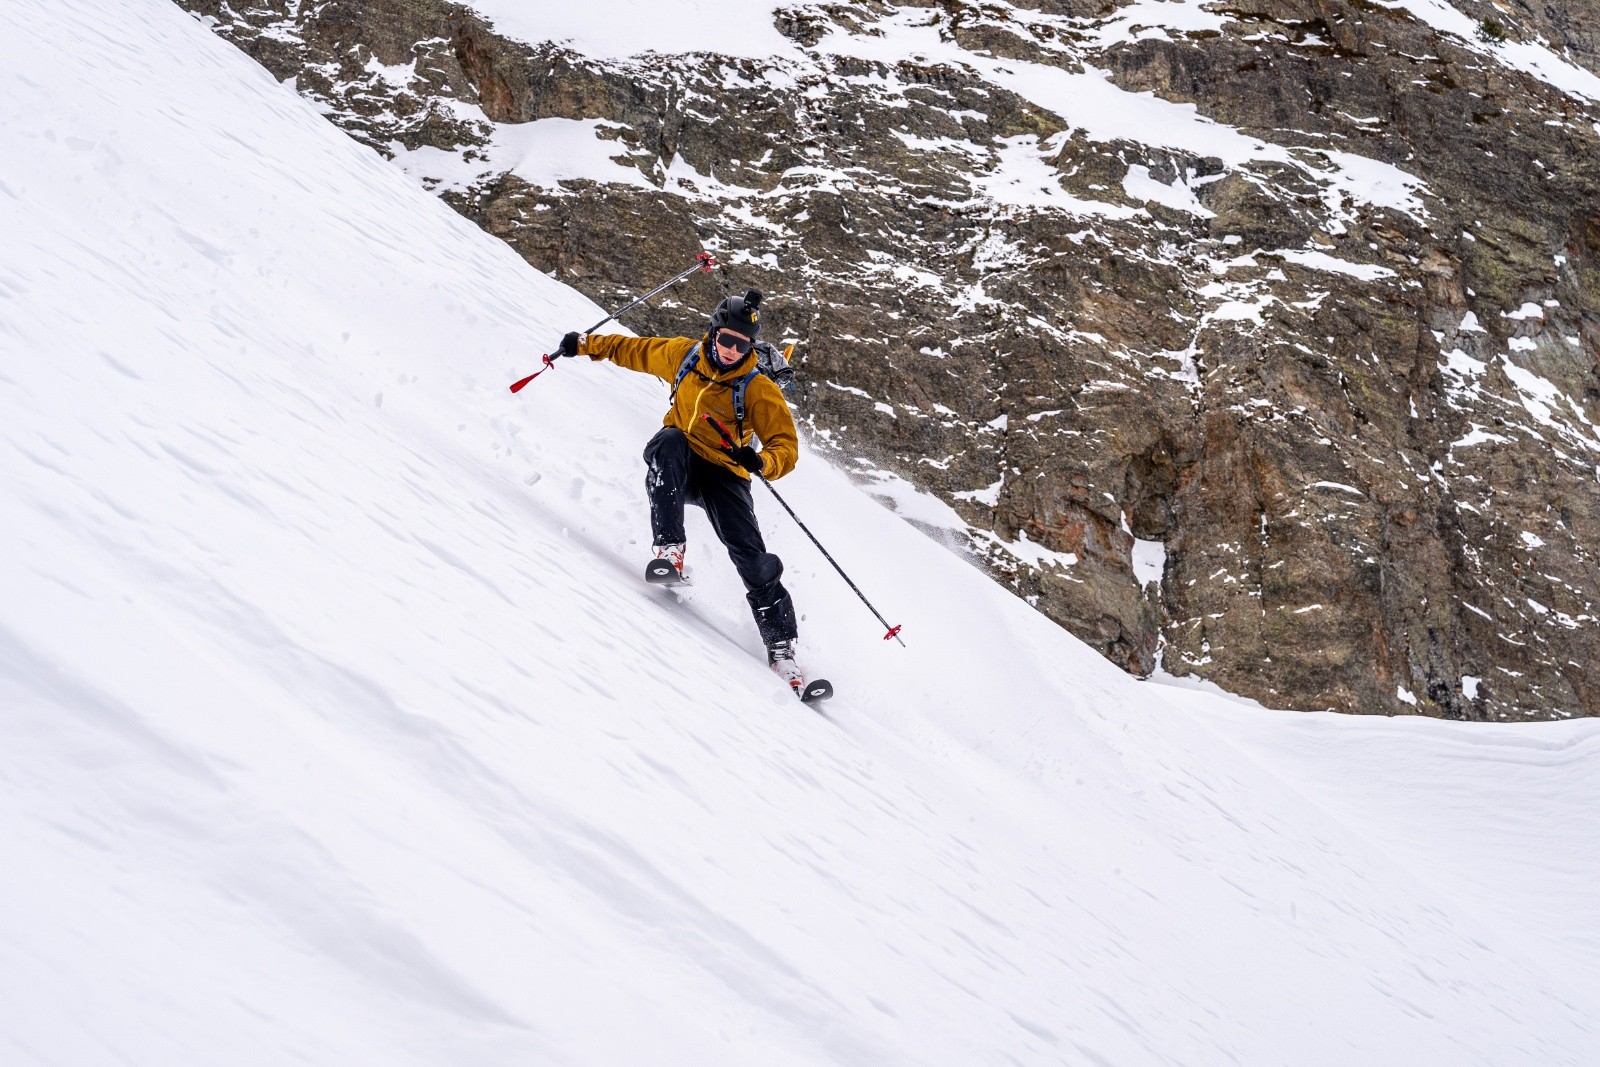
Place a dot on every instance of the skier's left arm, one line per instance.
(772, 422)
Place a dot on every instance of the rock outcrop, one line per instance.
(1257, 339)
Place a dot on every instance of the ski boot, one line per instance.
(780, 657)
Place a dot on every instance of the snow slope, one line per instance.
(335, 726)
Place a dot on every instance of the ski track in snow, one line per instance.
(336, 725)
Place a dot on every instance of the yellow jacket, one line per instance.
(708, 390)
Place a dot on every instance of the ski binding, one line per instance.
(817, 691)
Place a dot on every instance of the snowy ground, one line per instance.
(336, 727)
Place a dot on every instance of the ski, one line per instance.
(661, 572)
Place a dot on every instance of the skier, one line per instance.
(716, 389)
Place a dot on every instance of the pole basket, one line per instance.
(703, 261)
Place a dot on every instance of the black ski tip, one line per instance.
(820, 689)
(660, 572)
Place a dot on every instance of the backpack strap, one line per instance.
(687, 367)
(738, 399)
(689, 360)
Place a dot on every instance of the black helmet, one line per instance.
(739, 313)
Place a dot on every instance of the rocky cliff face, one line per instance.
(1253, 338)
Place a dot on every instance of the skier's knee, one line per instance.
(669, 444)
(763, 571)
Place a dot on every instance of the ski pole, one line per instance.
(703, 261)
(727, 439)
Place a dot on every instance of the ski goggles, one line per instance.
(741, 345)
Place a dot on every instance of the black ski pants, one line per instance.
(675, 476)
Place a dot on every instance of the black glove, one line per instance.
(569, 344)
(748, 458)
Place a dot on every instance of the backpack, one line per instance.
(775, 364)
(769, 361)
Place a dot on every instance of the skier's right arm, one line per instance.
(661, 356)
